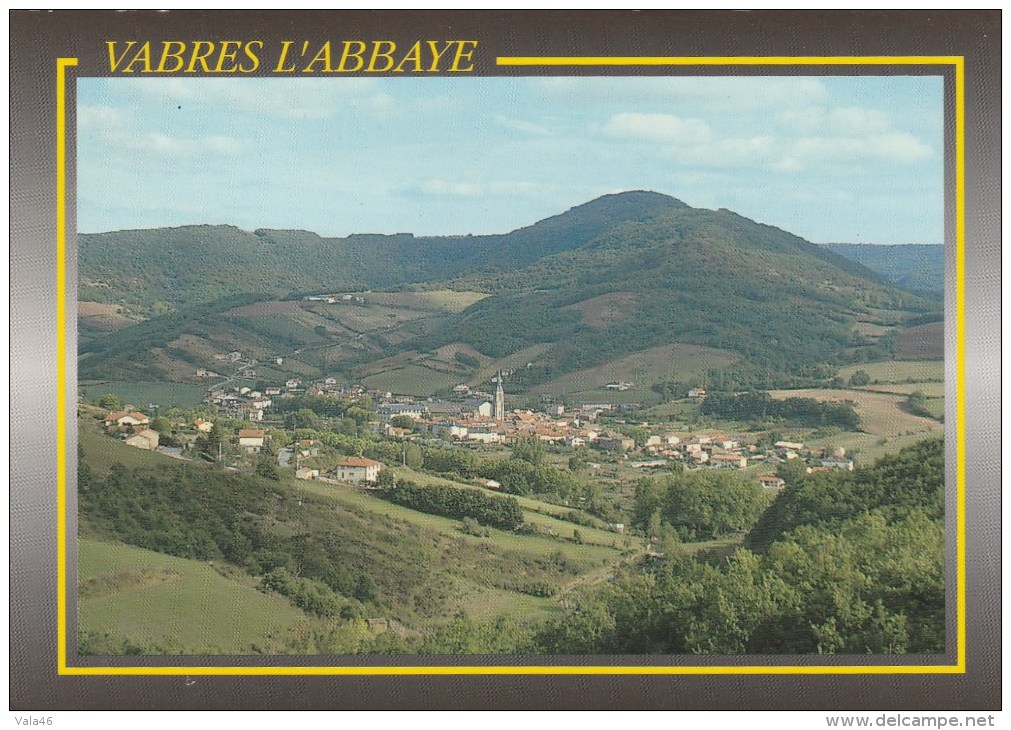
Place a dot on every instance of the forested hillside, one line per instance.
(616, 276)
(840, 563)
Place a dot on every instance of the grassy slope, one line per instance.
(181, 606)
(899, 371)
(654, 365)
(151, 613)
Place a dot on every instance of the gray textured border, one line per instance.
(37, 39)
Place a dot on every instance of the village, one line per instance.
(248, 421)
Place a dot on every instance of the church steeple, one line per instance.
(499, 399)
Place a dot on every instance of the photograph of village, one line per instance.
(510, 366)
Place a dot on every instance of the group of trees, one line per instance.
(842, 563)
(759, 405)
(457, 502)
(699, 505)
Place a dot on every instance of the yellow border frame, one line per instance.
(957, 62)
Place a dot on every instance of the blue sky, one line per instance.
(832, 159)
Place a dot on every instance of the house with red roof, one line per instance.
(251, 439)
(124, 418)
(357, 469)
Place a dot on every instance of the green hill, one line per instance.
(617, 276)
(691, 276)
(170, 268)
(131, 600)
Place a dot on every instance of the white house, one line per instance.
(454, 430)
(789, 445)
(485, 436)
(729, 461)
(251, 439)
(357, 469)
(146, 439)
(844, 464)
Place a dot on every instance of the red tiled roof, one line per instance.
(251, 433)
(123, 414)
(358, 461)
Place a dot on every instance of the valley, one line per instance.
(500, 444)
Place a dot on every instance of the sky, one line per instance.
(846, 159)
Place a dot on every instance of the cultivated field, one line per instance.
(899, 371)
(657, 364)
(922, 343)
(440, 300)
(412, 379)
(607, 309)
(881, 414)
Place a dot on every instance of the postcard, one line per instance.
(545, 350)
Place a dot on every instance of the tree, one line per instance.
(655, 528)
(266, 466)
(110, 401)
(403, 422)
(529, 449)
(917, 404)
(705, 505)
(302, 418)
(860, 378)
(577, 462)
(791, 471)
(161, 425)
(413, 456)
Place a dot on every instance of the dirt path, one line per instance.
(598, 575)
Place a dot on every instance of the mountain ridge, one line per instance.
(700, 277)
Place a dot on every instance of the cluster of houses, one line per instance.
(335, 298)
(133, 427)
(718, 451)
(244, 403)
(475, 418)
(473, 421)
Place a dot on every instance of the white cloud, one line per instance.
(663, 128)
(95, 118)
(895, 147)
(729, 152)
(850, 120)
(521, 125)
(499, 188)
